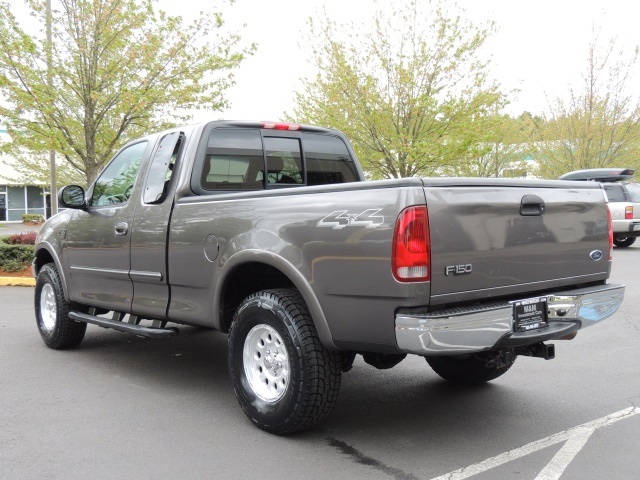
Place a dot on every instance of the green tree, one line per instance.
(119, 69)
(598, 124)
(506, 145)
(409, 92)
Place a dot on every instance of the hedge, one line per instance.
(32, 218)
(14, 258)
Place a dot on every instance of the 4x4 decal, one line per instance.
(342, 218)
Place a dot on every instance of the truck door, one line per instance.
(97, 240)
(151, 223)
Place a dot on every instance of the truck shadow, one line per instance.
(409, 403)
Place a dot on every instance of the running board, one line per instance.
(150, 332)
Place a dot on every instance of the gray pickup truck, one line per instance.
(268, 231)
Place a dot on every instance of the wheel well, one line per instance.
(42, 258)
(245, 280)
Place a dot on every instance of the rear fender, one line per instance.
(287, 269)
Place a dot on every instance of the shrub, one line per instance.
(15, 257)
(13, 266)
(24, 238)
(34, 218)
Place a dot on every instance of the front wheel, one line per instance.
(472, 369)
(624, 241)
(283, 378)
(52, 312)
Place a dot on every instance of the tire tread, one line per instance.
(67, 332)
(322, 375)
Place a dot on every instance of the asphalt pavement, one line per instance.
(120, 406)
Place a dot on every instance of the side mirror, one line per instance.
(71, 196)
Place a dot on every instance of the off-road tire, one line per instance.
(57, 330)
(289, 400)
(623, 242)
(470, 369)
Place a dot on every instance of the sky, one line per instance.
(540, 47)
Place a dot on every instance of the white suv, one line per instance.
(623, 200)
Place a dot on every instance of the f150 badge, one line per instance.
(464, 269)
(342, 218)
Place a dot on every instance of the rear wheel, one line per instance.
(624, 241)
(472, 369)
(57, 330)
(283, 377)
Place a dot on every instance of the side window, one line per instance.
(161, 169)
(115, 183)
(233, 160)
(615, 192)
(284, 161)
(328, 160)
(634, 192)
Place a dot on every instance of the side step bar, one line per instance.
(150, 332)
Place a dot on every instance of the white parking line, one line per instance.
(575, 439)
(565, 455)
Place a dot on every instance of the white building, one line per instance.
(20, 196)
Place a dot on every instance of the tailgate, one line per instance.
(497, 237)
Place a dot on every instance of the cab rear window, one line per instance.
(246, 159)
(233, 161)
(328, 160)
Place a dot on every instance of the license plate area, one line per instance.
(530, 314)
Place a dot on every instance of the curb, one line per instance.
(17, 281)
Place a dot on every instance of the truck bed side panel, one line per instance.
(338, 239)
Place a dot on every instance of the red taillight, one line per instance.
(628, 213)
(410, 260)
(281, 126)
(610, 225)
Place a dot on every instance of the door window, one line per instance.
(115, 183)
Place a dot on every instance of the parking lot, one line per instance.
(121, 406)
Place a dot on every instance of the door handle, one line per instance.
(532, 206)
(121, 229)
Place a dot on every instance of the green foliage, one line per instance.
(410, 92)
(598, 125)
(505, 143)
(14, 258)
(119, 69)
(32, 218)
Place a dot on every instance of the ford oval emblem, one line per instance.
(595, 255)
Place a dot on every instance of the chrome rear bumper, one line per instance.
(473, 329)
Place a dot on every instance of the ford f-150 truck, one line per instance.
(269, 232)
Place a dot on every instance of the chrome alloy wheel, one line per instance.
(266, 363)
(48, 307)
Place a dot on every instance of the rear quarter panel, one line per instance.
(334, 243)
